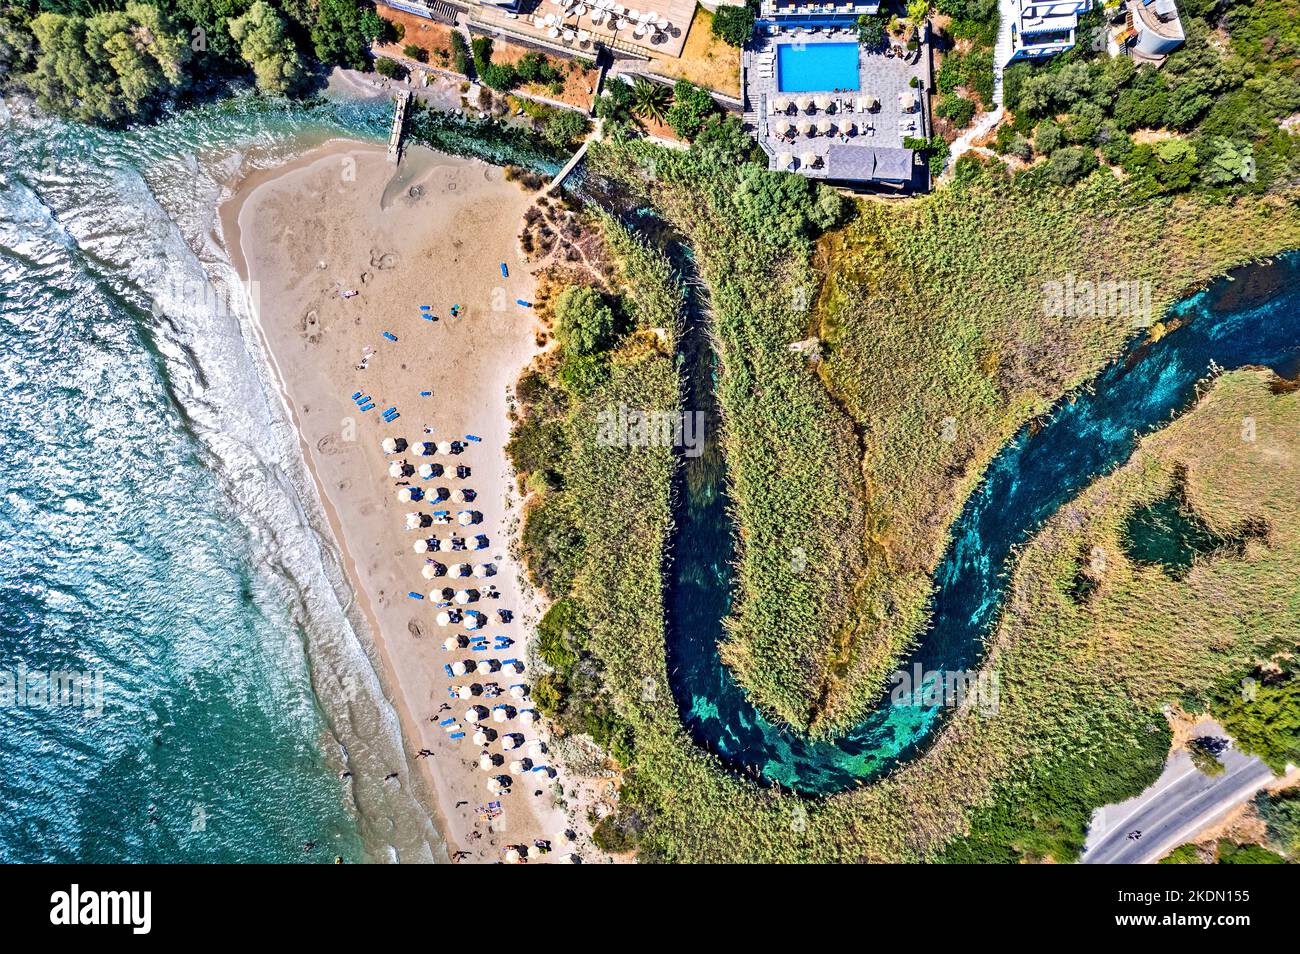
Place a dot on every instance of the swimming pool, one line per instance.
(816, 67)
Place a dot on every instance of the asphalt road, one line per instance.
(1182, 802)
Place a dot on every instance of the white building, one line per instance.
(785, 10)
(1152, 30)
(1040, 28)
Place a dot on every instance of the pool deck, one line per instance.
(874, 152)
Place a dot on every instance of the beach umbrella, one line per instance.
(420, 546)
(783, 161)
(450, 643)
(466, 596)
(485, 762)
(568, 860)
(782, 103)
(513, 857)
(464, 495)
(432, 570)
(518, 692)
(458, 668)
(441, 594)
(426, 471)
(808, 159)
(484, 570)
(502, 714)
(464, 692)
(424, 448)
(907, 101)
(468, 518)
(868, 102)
(444, 447)
(824, 126)
(443, 618)
(475, 714)
(412, 521)
(395, 469)
(404, 494)
(493, 786)
(823, 102)
(480, 542)
(481, 738)
(474, 620)
(807, 127)
(527, 716)
(460, 569)
(508, 742)
(804, 103)
(389, 445)
(849, 126)
(535, 748)
(520, 766)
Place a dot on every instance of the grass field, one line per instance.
(927, 312)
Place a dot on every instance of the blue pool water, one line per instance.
(817, 67)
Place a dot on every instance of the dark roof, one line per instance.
(867, 163)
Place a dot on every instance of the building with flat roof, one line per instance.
(1040, 28)
(1152, 30)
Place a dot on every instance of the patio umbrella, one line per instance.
(782, 103)
(867, 103)
(432, 571)
(389, 445)
(823, 102)
(806, 127)
(849, 127)
(394, 469)
(783, 160)
(420, 546)
(804, 103)
(808, 159)
(824, 126)
(427, 470)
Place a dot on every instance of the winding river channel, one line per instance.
(1250, 318)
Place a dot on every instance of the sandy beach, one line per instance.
(340, 247)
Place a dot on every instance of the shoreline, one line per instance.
(449, 782)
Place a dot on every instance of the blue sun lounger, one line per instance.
(448, 721)
(505, 272)
(526, 304)
(456, 735)
(471, 437)
(366, 407)
(415, 596)
(390, 336)
(426, 394)
(450, 674)
(356, 396)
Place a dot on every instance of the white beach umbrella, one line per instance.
(527, 716)
(823, 101)
(464, 693)
(464, 597)
(463, 496)
(475, 714)
(420, 546)
(808, 159)
(444, 447)
(460, 569)
(412, 521)
(404, 494)
(783, 160)
(389, 445)
(824, 126)
(849, 126)
(535, 748)
(432, 571)
(501, 714)
(782, 103)
(807, 127)
(493, 786)
(474, 620)
(507, 742)
(481, 738)
(458, 668)
(485, 762)
(466, 517)
(394, 469)
(518, 692)
(450, 643)
(513, 857)
(804, 103)
(480, 542)
(426, 471)
(520, 766)
(568, 860)
(443, 618)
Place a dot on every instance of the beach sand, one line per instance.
(339, 219)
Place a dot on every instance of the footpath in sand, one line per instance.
(342, 220)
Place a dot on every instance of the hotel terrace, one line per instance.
(822, 106)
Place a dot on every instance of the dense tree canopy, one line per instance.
(265, 45)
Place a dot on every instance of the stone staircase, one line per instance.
(1008, 13)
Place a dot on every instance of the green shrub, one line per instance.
(734, 25)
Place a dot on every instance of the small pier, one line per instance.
(402, 101)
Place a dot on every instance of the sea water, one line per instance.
(161, 549)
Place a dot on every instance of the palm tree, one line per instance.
(649, 100)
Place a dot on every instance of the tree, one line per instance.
(1280, 813)
(691, 106)
(563, 127)
(265, 45)
(871, 32)
(586, 321)
(787, 209)
(337, 36)
(917, 10)
(17, 45)
(734, 25)
(414, 52)
(108, 67)
(1070, 164)
(650, 99)
(387, 67)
